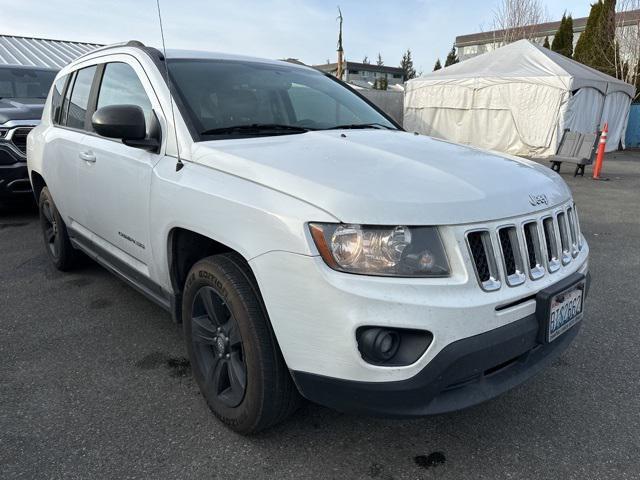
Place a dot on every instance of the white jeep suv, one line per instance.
(307, 243)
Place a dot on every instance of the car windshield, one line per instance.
(230, 98)
(25, 82)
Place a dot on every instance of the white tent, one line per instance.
(517, 99)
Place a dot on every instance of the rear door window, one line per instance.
(79, 101)
(56, 98)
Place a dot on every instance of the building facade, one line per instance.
(468, 46)
(365, 75)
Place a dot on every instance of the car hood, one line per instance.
(20, 109)
(389, 177)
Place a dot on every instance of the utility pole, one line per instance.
(340, 49)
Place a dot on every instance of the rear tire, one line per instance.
(54, 232)
(234, 355)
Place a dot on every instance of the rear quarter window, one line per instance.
(56, 98)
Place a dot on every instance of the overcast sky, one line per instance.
(304, 29)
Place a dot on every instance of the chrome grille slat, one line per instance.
(530, 249)
(565, 241)
(551, 242)
(511, 255)
(484, 259)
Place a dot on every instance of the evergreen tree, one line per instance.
(596, 46)
(437, 66)
(452, 58)
(545, 44)
(379, 61)
(563, 39)
(406, 64)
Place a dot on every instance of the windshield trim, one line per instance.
(186, 114)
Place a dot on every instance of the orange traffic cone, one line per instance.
(597, 168)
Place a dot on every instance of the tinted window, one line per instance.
(25, 82)
(56, 98)
(80, 98)
(226, 93)
(121, 86)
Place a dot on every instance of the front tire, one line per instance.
(54, 231)
(233, 352)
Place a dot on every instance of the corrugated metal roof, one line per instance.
(40, 52)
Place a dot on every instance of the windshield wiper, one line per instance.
(354, 126)
(256, 128)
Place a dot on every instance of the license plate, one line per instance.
(565, 311)
(560, 307)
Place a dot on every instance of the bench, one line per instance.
(575, 147)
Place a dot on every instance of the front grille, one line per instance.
(484, 259)
(19, 138)
(534, 248)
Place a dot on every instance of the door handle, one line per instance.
(87, 156)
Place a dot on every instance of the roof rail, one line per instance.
(130, 43)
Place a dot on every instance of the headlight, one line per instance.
(399, 251)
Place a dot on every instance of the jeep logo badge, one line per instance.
(536, 200)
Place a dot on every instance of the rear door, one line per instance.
(64, 140)
(115, 179)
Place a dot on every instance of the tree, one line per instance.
(545, 44)
(516, 19)
(452, 58)
(365, 60)
(379, 61)
(563, 39)
(597, 46)
(628, 43)
(406, 64)
(437, 66)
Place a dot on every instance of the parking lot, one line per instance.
(94, 382)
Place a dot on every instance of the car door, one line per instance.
(115, 179)
(64, 140)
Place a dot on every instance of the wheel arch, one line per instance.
(184, 248)
(37, 183)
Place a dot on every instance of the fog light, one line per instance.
(392, 346)
(379, 344)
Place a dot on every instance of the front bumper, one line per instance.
(14, 176)
(463, 374)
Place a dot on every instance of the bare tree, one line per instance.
(516, 20)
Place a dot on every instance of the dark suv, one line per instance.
(23, 91)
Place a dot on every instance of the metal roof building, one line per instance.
(40, 52)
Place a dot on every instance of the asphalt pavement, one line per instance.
(94, 382)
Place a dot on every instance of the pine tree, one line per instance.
(379, 61)
(546, 42)
(437, 66)
(452, 58)
(563, 39)
(406, 64)
(596, 46)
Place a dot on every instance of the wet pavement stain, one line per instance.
(180, 366)
(177, 366)
(100, 303)
(434, 459)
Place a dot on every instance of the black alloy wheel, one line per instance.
(55, 235)
(50, 229)
(217, 343)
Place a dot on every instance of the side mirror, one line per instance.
(125, 122)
